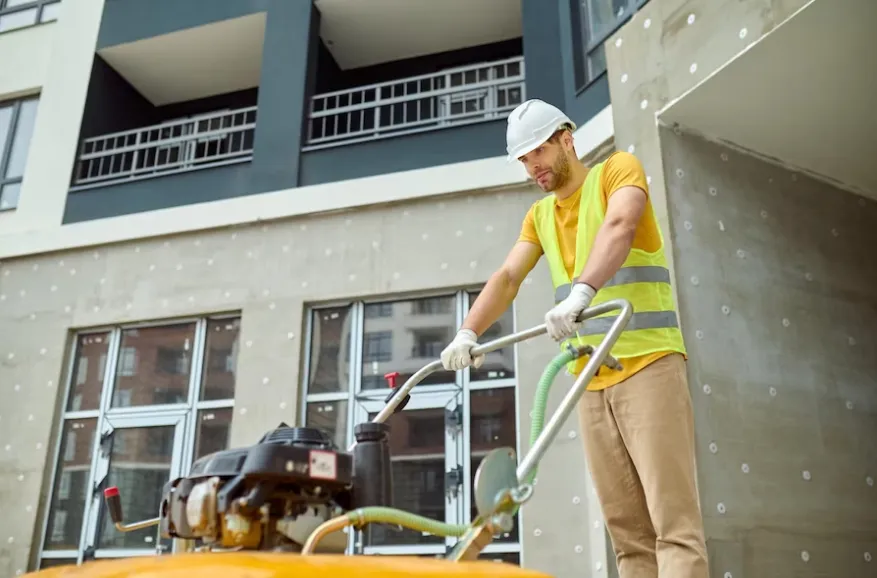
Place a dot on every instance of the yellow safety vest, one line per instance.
(643, 279)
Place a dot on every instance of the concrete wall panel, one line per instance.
(776, 288)
(25, 73)
(664, 51)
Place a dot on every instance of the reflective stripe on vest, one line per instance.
(624, 276)
(641, 320)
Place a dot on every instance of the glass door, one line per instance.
(426, 451)
(138, 455)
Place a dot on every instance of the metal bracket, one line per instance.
(453, 481)
(105, 443)
(98, 486)
(454, 419)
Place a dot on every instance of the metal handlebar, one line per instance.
(601, 353)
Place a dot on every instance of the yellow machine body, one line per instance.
(279, 565)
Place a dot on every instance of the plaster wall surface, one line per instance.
(271, 273)
(776, 281)
(25, 73)
(666, 49)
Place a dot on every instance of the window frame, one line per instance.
(584, 46)
(40, 5)
(462, 387)
(6, 147)
(107, 418)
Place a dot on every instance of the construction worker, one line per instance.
(600, 237)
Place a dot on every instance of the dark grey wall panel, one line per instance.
(160, 193)
(543, 51)
(583, 106)
(231, 100)
(550, 47)
(403, 153)
(289, 31)
(129, 20)
(112, 104)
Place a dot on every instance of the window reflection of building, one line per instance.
(149, 368)
(426, 440)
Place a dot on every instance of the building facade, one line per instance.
(221, 215)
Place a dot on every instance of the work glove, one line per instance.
(456, 355)
(561, 321)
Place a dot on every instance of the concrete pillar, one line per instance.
(55, 140)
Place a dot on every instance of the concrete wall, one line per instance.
(778, 291)
(24, 75)
(775, 309)
(665, 50)
(270, 273)
(54, 144)
(27, 72)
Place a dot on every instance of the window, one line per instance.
(378, 346)
(597, 20)
(16, 127)
(448, 426)
(22, 13)
(135, 425)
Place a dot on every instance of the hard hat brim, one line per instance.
(533, 146)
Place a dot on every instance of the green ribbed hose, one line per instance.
(380, 515)
(541, 401)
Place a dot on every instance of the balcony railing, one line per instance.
(454, 97)
(198, 142)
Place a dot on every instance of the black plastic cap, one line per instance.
(370, 431)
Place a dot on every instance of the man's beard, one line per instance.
(560, 173)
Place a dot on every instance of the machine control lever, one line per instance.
(114, 505)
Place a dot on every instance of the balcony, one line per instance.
(199, 142)
(454, 97)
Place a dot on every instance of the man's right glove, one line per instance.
(456, 355)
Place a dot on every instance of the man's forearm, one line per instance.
(496, 297)
(611, 247)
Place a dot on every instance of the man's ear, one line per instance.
(569, 141)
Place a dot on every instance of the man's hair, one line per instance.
(556, 136)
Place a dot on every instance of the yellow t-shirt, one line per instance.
(621, 169)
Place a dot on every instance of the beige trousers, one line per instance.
(639, 443)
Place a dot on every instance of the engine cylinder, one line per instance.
(372, 470)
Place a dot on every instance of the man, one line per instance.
(600, 237)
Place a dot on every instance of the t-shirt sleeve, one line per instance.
(528, 227)
(622, 169)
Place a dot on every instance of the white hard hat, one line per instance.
(531, 124)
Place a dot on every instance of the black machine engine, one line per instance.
(272, 495)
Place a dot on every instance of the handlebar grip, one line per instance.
(402, 403)
(114, 504)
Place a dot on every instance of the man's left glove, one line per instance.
(561, 321)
